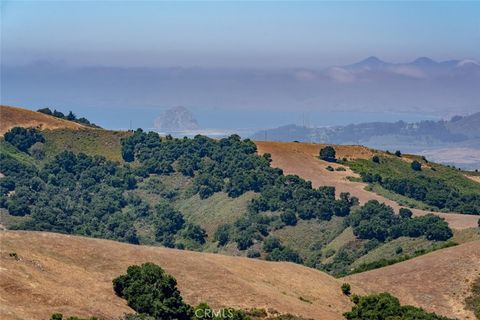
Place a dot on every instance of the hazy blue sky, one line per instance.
(254, 34)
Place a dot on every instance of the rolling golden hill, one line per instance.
(438, 282)
(73, 275)
(18, 117)
(302, 159)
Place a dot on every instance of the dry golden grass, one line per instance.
(474, 178)
(72, 275)
(302, 159)
(438, 281)
(18, 117)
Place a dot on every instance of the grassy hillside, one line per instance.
(302, 159)
(392, 166)
(204, 195)
(224, 196)
(8, 149)
(438, 281)
(82, 269)
(91, 141)
(131, 213)
(19, 117)
(432, 187)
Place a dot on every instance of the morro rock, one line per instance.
(176, 119)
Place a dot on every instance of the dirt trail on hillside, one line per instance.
(438, 282)
(73, 275)
(302, 159)
(474, 178)
(18, 117)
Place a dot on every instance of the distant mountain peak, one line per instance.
(468, 62)
(372, 59)
(424, 61)
(370, 62)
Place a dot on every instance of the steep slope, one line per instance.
(302, 159)
(18, 117)
(72, 275)
(438, 281)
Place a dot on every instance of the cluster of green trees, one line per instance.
(80, 194)
(341, 263)
(171, 228)
(154, 295)
(328, 154)
(72, 194)
(430, 190)
(384, 306)
(149, 290)
(229, 165)
(278, 252)
(70, 116)
(232, 165)
(295, 199)
(378, 221)
(23, 138)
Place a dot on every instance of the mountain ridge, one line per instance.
(423, 136)
(402, 87)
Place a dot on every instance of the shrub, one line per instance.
(405, 213)
(376, 159)
(148, 289)
(329, 253)
(398, 153)
(14, 255)
(355, 299)
(222, 235)
(289, 218)
(23, 138)
(346, 289)
(168, 222)
(384, 306)
(195, 233)
(244, 241)
(37, 151)
(284, 254)
(271, 243)
(45, 111)
(329, 168)
(253, 253)
(328, 154)
(415, 165)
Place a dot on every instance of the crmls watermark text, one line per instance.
(212, 313)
